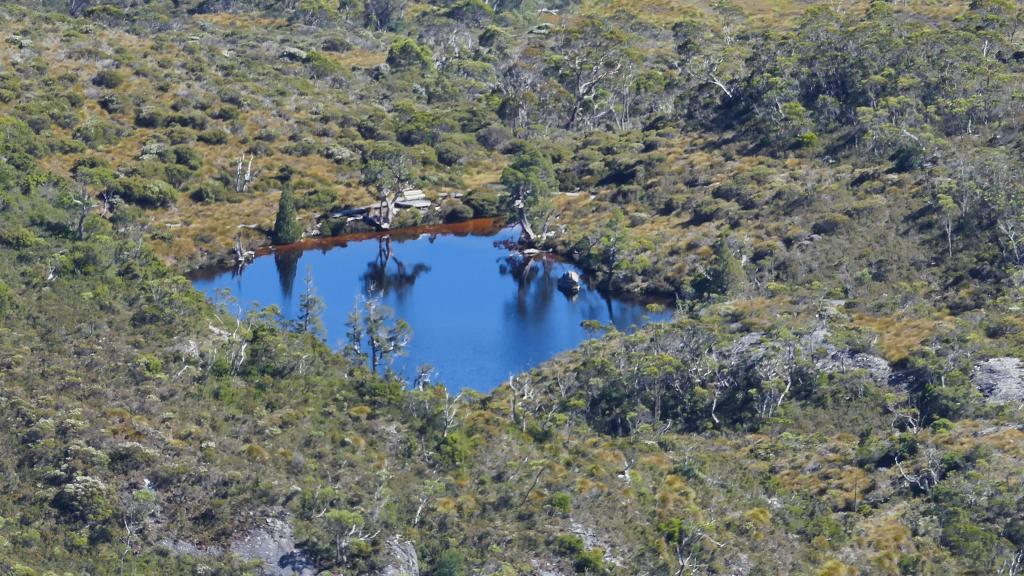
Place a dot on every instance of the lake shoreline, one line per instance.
(489, 226)
(227, 262)
(479, 308)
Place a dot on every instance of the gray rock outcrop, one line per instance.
(1000, 380)
(402, 559)
(275, 546)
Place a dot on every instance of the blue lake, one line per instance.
(476, 315)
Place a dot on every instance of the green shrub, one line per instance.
(569, 544)
(473, 12)
(908, 157)
(406, 54)
(108, 78)
(85, 499)
(455, 211)
(336, 44)
(323, 66)
(969, 540)
(408, 218)
(177, 175)
(6, 297)
(16, 137)
(485, 204)
(187, 120)
(189, 157)
(831, 224)
(95, 133)
(562, 502)
(455, 449)
(317, 200)
(449, 563)
(1014, 530)
(226, 113)
(17, 238)
(213, 137)
(150, 119)
(132, 456)
(590, 562)
(111, 104)
(144, 193)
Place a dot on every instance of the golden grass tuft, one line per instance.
(897, 336)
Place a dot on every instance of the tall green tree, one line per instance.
(388, 171)
(383, 336)
(311, 308)
(726, 276)
(530, 180)
(287, 228)
(590, 57)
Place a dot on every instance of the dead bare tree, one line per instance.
(451, 410)
(244, 252)
(927, 475)
(80, 203)
(522, 392)
(1014, 565)
(243, 180)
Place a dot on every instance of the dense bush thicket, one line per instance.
(833, 196)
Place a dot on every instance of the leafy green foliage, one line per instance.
(406, 54)
(287, 228)
(529, 181)
(832, 196)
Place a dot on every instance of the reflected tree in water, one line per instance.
(287, 264)
(534, 282)
(382, 278)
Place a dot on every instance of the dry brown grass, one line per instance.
(210, 227)
(897, 336)
(667, 11)
(363, 58)
(241, 21)
(760, 12)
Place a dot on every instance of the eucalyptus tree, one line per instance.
(388, 171)
(375, 335)
(589, 58)
(529, 180)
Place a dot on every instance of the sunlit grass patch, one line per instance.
(897, 336)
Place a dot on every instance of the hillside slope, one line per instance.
(832, 195)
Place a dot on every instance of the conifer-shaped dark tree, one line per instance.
(287, 228)
(726, 276)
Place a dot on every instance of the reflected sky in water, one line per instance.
(476, 315)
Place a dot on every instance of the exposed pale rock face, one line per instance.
(402, 559)
(1000, 380)
(272, 543)
(293, 54)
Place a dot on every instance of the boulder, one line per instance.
(569, 282)
(19, 41)
(274, 545)
(340, 154)
(293, 54)
(1000, 380)
(401, 559)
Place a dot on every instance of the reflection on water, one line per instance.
(387, 274)
(287, 266)
(477, 313)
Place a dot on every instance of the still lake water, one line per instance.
(474, 318)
